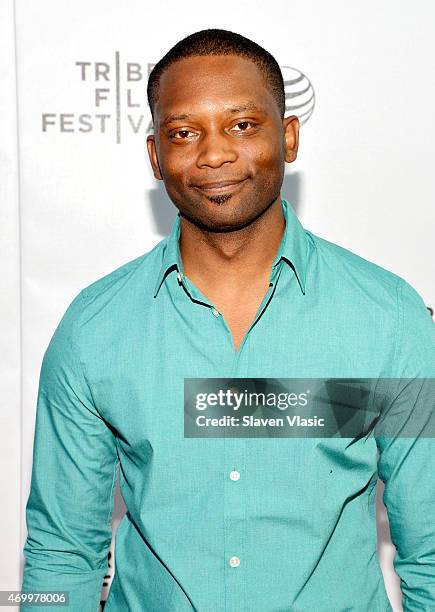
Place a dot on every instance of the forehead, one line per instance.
(211, 84)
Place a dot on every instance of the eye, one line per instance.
(183, 134)
(244, 125)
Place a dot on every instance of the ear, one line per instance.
(152, 153)
(291, 137)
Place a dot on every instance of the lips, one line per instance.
(219, 186)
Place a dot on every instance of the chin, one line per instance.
(222, 222)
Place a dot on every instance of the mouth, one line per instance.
(220, 186)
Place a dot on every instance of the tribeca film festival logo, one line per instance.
(118, 104)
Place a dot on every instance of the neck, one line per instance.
(228, 258)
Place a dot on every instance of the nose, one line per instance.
(216, 148)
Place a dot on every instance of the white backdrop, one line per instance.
(78, 198)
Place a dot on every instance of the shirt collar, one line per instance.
(294, 245)
(293, 248)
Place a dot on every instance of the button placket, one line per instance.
(235, 529)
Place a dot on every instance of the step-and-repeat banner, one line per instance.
(78, 197)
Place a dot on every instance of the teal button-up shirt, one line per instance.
(227, 525)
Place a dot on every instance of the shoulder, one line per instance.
(140, 269)
(115, 291)
(355, 271)
(348, 267)
(386, 296)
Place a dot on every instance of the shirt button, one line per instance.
(215, 312)
(234, 475)
(234, 561)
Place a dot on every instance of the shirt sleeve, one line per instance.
(75, 461)
(407, 464)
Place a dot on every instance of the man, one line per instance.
(239, 290)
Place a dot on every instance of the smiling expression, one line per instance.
(220, 144)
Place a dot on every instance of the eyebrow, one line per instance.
(233, 109)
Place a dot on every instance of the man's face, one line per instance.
(216, 121)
